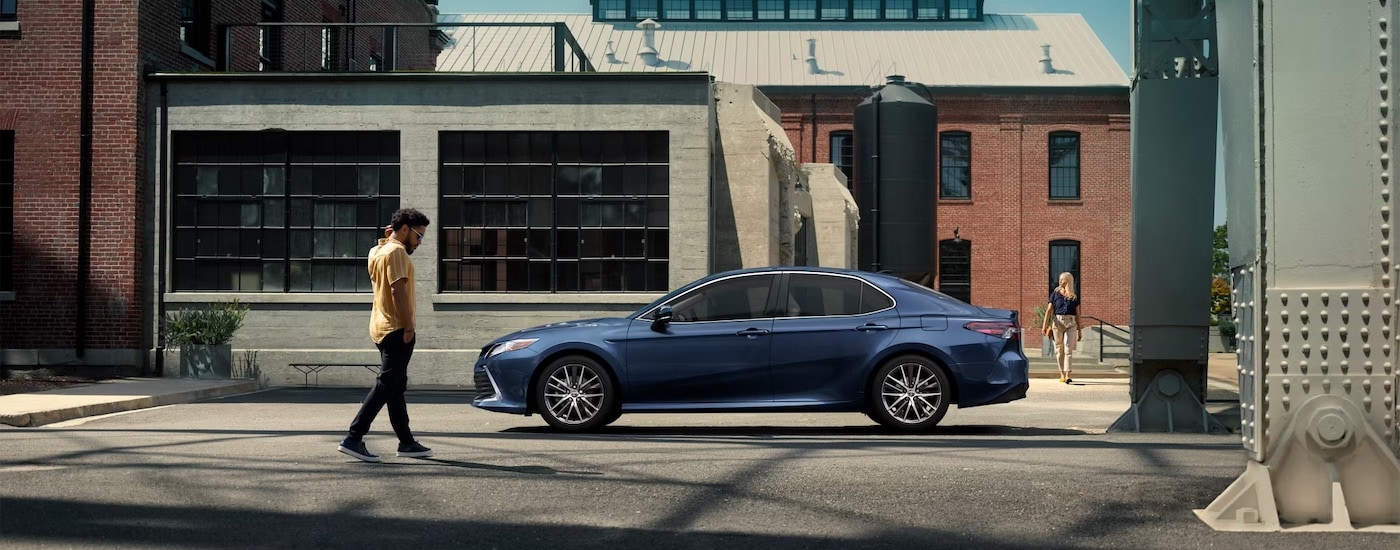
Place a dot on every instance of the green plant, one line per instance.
(209, 326)
(1227, 328)
(1037, 319)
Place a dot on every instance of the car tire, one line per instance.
(576, 394)
(909, 393)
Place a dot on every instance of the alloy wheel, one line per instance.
(911, 393)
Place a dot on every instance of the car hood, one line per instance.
(562, 327)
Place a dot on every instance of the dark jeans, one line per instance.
(388, 389)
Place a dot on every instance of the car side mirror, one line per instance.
(662, 318)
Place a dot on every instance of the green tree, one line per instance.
(1220, 264)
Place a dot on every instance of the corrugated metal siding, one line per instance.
(1003, 50)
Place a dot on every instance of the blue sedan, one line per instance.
(764, 340)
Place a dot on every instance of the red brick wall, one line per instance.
(40, 100)
(1010, 219)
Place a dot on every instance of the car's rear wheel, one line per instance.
(576, 394)
(909, 393)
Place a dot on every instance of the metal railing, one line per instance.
(1123, 343)
(373, 47)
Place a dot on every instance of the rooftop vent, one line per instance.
(648, 51)
(1047, 65)
(812, 67)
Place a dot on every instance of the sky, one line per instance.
(1110, 19)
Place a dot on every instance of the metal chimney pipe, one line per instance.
(1046, 64)
(812, 67)
(648, 51)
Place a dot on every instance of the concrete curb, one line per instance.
(40, 418)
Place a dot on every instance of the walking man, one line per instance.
(392, 327)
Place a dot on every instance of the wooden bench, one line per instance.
(307, 369)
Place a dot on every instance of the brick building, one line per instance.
(1034, 174)
(73, 274)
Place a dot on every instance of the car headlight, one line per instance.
(511, 345)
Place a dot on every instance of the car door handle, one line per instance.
(752, 332)
(871, 328)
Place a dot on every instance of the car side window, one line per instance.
(811, 295)
(743, 297)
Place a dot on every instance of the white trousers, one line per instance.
(1065, 330)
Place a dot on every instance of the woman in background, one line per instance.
(1061, 322)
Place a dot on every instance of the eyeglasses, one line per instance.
(421, 238)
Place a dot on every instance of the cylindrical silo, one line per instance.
(896, 140)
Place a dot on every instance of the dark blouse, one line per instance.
(1063, 305)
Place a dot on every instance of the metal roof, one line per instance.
(1000, 51)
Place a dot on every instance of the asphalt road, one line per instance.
(261, 470)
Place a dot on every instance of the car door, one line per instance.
(828, 326)
(714, 351)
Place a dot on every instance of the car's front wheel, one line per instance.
(909, 393)
(576, 394)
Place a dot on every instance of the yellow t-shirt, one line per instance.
(388, 262)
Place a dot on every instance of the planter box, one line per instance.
(206, 361)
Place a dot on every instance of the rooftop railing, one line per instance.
(371, 47)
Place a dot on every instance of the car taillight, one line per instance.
(999, 329)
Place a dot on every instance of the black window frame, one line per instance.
(955, 268)
(842, 150)
(599, 201)
(302, 207)
(766, 10)
(1066, 255)
(196, 25)
(9, 10)
(951, 165)
(7, 210)
(1064, 171)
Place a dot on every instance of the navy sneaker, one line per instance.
(356, 448)
(414, 450)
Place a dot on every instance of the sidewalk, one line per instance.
(110, 396)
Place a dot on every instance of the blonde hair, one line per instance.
(1067, 285)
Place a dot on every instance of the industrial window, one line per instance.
(9, 10)
(955, 165)
(554, 211)
(843, 148)
(1064, 165)
(7, 209)
(612, 9)
(708, 9)
(772, 9)
(955, 268)
(866, 9)
(280, 211)
(1064, 256)
(899, 9)
(739, 10)
(676, 9)
(645, 9)
(834, 9)
(194, 24)
(963, 9)
(930, 9)
(802, 9)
